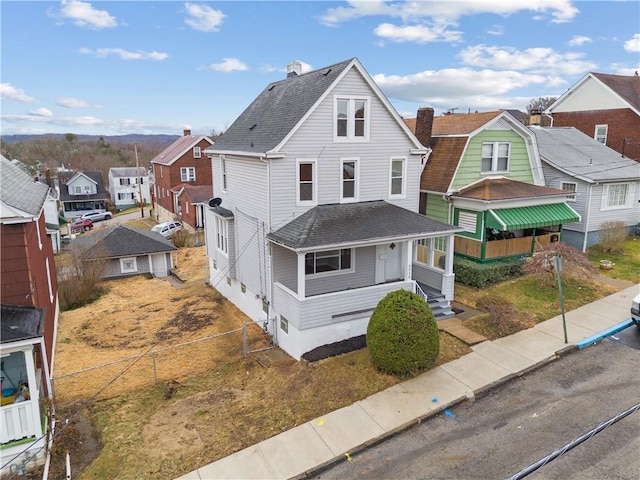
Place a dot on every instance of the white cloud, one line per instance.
(578, 40)
(228, 65)
(447, 12)
(417, 33)
(541, 60)
(618, 69)
(124, 54)
(496, 30)
(84, 15)
(9, 91)
(633, 45)
(70, 102)
(203, 18)
(41, 112)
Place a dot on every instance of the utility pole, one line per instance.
(135, 148)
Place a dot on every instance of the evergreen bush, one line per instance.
(402, 335)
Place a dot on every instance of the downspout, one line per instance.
(586, 221)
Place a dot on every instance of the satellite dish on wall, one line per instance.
(215, 202)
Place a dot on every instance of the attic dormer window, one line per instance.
(351, 118)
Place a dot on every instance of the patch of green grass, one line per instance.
(627, 262)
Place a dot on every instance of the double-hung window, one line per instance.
(617, 196)
(222, 235)
(351, 118)
(431, 252)
(349, 180)
(495, 157)
(196, 152)
(125, 181)
(306, 184)
(601, 134)
(328, 261)
(188, 174)
(397, 179)
(570, 187)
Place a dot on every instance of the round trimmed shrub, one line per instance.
(402, 335)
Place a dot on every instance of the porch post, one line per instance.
(301, 275)
(408, 273)
(448, 265)
(34, 391)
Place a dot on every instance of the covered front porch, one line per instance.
(332, 265)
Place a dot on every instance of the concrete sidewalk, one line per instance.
(303, 450)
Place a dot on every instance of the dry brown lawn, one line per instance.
(208, 400)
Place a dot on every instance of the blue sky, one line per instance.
(150, 67)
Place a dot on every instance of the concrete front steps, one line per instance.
(440, 306)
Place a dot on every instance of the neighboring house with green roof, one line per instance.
(484, 175)
(604, 185)
(315, 216)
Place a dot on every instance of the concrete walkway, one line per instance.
(304, 450)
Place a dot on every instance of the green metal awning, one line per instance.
(531, 217)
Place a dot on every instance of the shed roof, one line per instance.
(124, 241)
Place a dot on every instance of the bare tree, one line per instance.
(79, 275)
(540, 104)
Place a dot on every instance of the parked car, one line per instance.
(97, 215)
(635, 309)
(167, 229)
(81, 225)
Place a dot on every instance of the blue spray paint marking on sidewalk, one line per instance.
(449, 413)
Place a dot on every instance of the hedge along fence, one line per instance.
(481, 275)
(176, 362)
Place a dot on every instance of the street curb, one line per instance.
(606, 333)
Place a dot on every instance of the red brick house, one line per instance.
(193, 200)
(182, 162)
(605, 107)
(29, 317)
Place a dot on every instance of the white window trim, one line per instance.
(38, 231)
(356, 178)
(431, 251)
(185, 174)
(333, 273)
(350, 118)
(605, 196)
(606, 132)
(49, 281)
(285, 322)
(222, 236)
(571, 197)
(197, 152)
(494, 158)
(404, 177)
(223, 169)
(314, 200)
(123, 268)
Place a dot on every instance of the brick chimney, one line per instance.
(535, 118)
(186, 132)
(293, 69)
(424, 125)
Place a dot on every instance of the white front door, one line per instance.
(389, 262)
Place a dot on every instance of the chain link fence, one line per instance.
(176, 362)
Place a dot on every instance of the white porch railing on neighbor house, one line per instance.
(19, 420)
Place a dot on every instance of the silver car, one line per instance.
(97, 215)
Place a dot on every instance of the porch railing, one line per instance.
(19, 420)
(502, 248)
(420, 292)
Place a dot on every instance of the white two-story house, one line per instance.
(315, 216)
(128, 186)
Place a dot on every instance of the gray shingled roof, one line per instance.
(19, 190)
(352, 223)
(123, 241)
(95, 175)
(128, 172)
(579, 155)
(20, 323)
(276, 111)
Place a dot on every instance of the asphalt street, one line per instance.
(515, 425)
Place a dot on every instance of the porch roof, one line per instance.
(336, 225)
(21, 323)
(531, 217)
